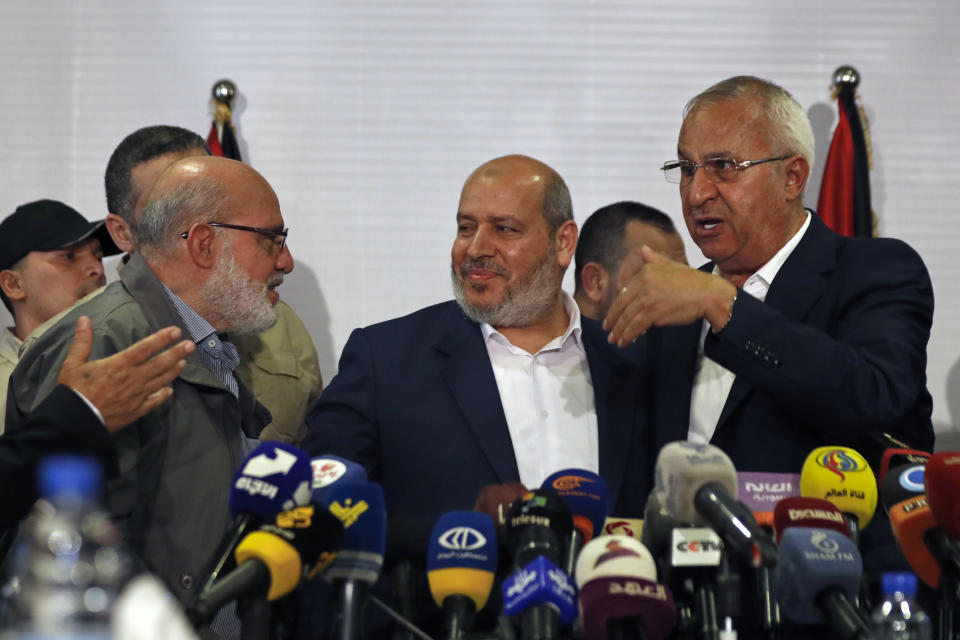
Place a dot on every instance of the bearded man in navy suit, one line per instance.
(791, 337)
(506, 384)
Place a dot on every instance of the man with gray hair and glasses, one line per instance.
(791, 337)
(211, 252)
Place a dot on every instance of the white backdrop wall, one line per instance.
(367, 116)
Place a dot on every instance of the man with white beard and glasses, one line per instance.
(211, 253)
(506, 384)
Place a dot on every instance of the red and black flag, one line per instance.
(222, 138)
(844, 202)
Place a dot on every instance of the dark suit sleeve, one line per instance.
(61, 423)
(857, 361)
(343, 421)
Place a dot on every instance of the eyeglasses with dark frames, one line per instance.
(718, 169)
(270, 233)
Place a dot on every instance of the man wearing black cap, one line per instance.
(50, 257)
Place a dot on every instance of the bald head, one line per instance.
(524, 174)
(199, 189)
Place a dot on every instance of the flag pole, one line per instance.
(844, 201)
(222, 139)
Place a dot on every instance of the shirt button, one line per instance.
(212, 343)
(543, 412)
(186, 581)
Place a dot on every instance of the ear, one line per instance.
(595, 281)
(202, 246)
(11, 284)
(120, 232)
(796, 172)
(566, 242)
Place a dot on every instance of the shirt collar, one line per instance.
(574, 329)
(196, 325)
(9, 343)
(763, 278)
(768, 272)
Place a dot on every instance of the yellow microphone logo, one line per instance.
(842, 462)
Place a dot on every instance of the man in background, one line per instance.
(280, 365)
(608, 251)
(210, 254)
(50, 257)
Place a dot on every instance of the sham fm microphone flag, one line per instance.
(222, 138)
(844, 201)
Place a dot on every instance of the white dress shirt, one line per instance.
(547, 398)
(712, 382)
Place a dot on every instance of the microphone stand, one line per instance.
(348, 620)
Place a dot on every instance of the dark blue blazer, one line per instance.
(416, 402)
(835, 356)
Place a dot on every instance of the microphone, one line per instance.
(274, 477)
(817, 578)
(899, 457)
(761, 492)
(902, 483)
(461, 567)
(272, 559)
(808, 513)
(942, 483)
(657, 532)
(698, 483)
(495, 500)
(329, 469)
(842, 476)
(585, 494)
(619, 594)
(360, 507)
(925, 546)
(690, 563)
(538, 591)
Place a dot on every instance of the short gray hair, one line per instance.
(174, 211)
(790, 125)
(557, 207)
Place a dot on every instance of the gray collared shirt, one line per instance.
(220, 356)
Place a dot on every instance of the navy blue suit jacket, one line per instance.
(835, 356)
(416, 402)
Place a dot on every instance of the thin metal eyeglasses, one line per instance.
(718, 169)
(270, 233)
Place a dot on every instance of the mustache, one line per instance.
(275, 280)
(484, 264)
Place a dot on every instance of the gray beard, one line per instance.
(525, 301)
(239, 301)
